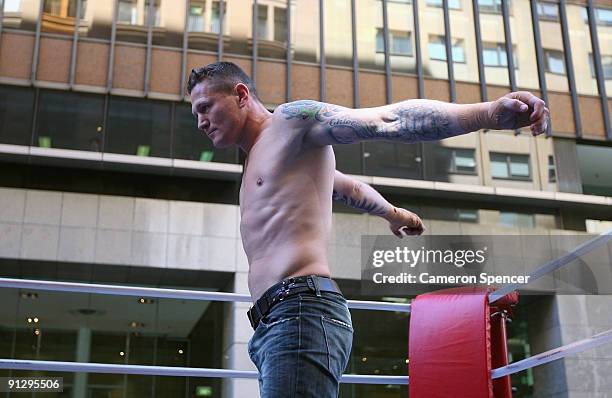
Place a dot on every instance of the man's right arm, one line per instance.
(364, 198)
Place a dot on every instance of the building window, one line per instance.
(554, 61)
(16, 109)
(548, 11)
(262, 21)
(437, 49)
(63, 8)
(195, 20)
(552, 171)
(215, 20)
(467, 215)
(492, 6)
(516, 220)
(400, 42)
(510, 166)
(138, 127)
(603, 16)
(69, 120)
(606, 65)
(494, 54)
(452, 4)
(135, 12)
(12, 5)
(280, 24)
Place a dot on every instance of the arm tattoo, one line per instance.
(402, 122)
(307, 109)
(360, 204)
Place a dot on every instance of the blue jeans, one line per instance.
(302, 347)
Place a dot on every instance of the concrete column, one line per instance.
(237, 332)
(79, 389)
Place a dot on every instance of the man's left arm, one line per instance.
(364, 198)
(412, 120)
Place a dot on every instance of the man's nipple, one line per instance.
(259, 181)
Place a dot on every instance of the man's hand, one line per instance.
(403, 222)
(516, 110)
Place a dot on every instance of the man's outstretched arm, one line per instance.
(412, 120)
(363, 197)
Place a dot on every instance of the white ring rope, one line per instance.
(57, 366)
(116, 290)
(554, 264)
(554, 354)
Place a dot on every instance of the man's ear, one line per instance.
(242, 91)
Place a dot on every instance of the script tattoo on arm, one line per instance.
(421, 120)
(363, 204)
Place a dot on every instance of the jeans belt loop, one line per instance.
(313, 284)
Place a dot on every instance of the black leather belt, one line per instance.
(289, 287)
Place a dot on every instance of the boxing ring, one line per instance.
(493, 299)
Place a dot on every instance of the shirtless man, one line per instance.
(303, 330)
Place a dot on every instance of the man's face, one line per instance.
(217, 113)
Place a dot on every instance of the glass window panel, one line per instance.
(12, 5)
(401, 29)
(464, 160)
(603, 16)
(131, 22)
(348, 158)
(499, 166)
(555, 62)
(458, 52)
(519, 166)
(305, 31)
(552, 43)
(280, 24)
(97, 19)
(401, 44)
(16, 110)
(380, 43)
(272, 31)
(548, 11)
(437, 48)
(490, 56)
(489, 6)
(452, 4)
(192, 144)
(389, 159)
(494, 39)
(262, 22)
(169, 23)
(338, 33)
(203, 24)
(20, 14)
(137, 127)
(70, 121)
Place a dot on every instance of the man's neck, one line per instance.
(258, 118)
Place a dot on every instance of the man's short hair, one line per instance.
(223, 76)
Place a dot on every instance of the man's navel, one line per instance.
(259, 181)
